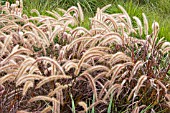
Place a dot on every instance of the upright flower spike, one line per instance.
(17, 2)
(80, 12)
(21, 4)
(127, 18)
(146, 26)
(7, 4)
(139, 23)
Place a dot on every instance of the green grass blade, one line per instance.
(73, 105)
(92, 111)
(147, 108)
(110, 104)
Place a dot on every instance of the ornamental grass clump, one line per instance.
(49, 63)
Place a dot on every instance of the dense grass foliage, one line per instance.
(157, 10)
(53, 61)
